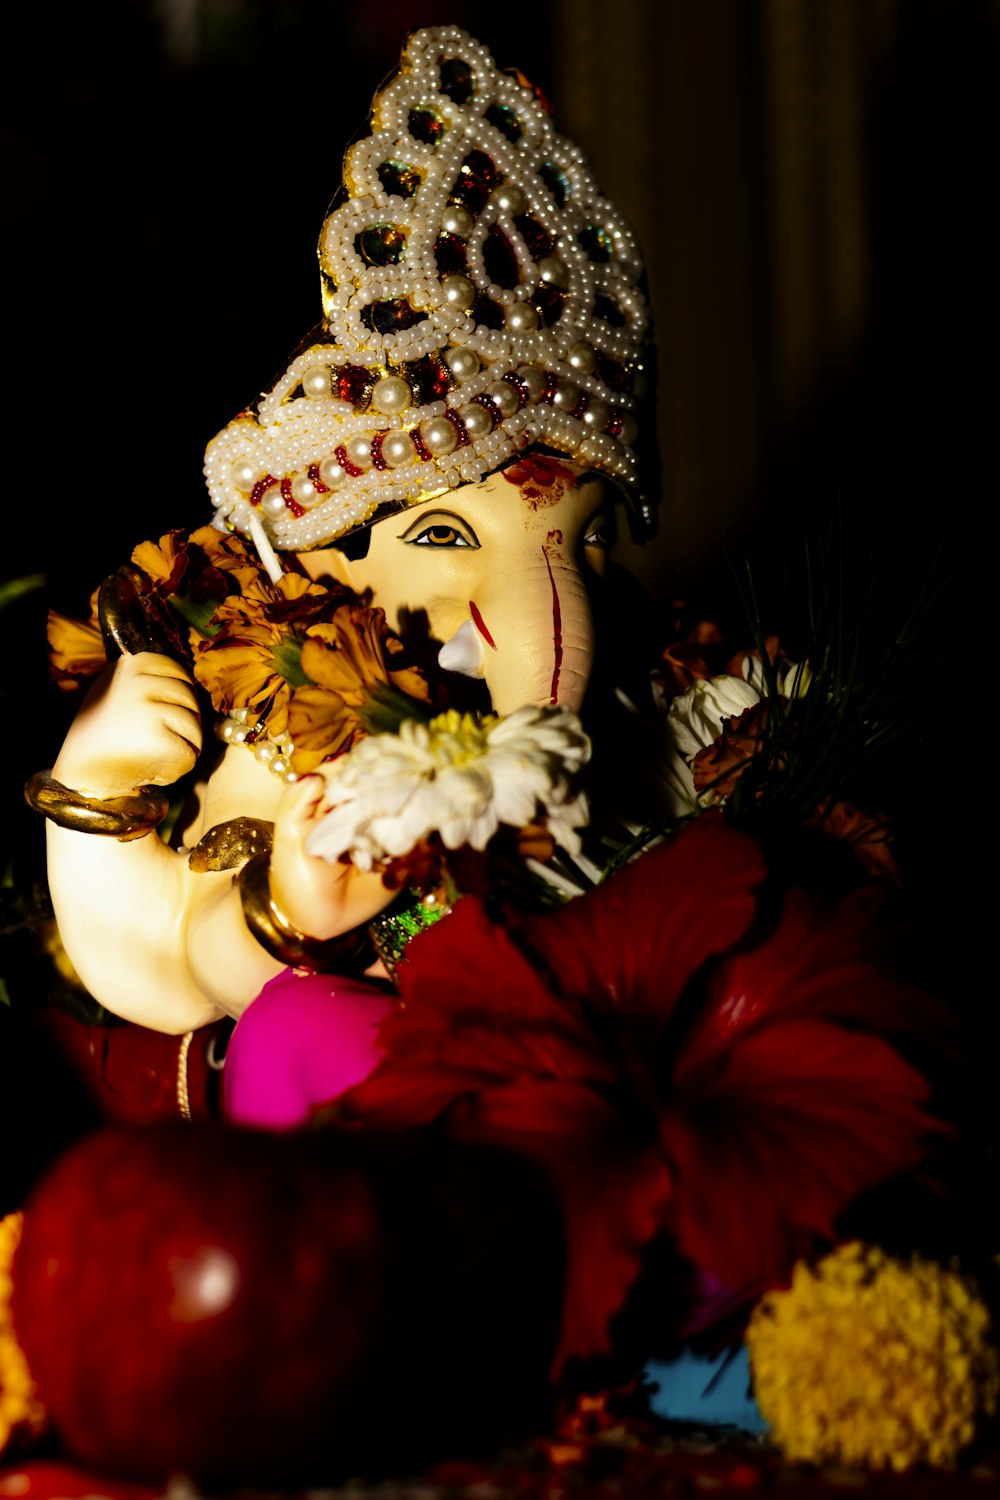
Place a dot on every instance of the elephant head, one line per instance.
(499, 573)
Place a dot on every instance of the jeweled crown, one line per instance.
(479, 295)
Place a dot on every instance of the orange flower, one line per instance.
(163, 571)
(680, 665)
(163, 562)
(254, 660)
(76, 648)
(693, 656)
(229, 554)
(867, 834)
(719, 766)
(203, 567)
(345, 659)
(242, 672)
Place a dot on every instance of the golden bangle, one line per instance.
(350, 953)
(123, 818)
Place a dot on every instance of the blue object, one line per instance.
(713, 1389)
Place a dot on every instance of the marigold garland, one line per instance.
(20, 1408)
(871, 1361)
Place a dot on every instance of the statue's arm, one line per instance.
(152, 939)
(319, 899)
(123, 910)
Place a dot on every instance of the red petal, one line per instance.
(639, 939)
(469, 963)
(822, 961)
(797, 1120)
(614, 1188)
(474, 1012)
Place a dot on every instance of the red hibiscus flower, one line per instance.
(684, 1055)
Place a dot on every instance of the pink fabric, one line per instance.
(305, 1039)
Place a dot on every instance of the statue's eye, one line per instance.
(601, 533)
(439, 536)
(445, 530)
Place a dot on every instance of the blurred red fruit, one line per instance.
(246, 1308)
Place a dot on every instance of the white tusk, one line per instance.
(266, 553)
(464, 652)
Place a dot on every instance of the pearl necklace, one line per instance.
(272, 752)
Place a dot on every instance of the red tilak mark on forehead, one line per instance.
(480, 625)
(557, 639)
(541, 480)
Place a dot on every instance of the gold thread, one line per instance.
(183, 1096)
(123, 818)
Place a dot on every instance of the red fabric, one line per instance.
(130, 1073)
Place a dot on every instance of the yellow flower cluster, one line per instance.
(19, 1403)
(870, 1361)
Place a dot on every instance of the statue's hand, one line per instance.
(138, 726)
(318, 897)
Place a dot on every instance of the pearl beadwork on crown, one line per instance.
(479, 295)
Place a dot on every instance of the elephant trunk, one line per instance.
(538, 636)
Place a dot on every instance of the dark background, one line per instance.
(812, 183)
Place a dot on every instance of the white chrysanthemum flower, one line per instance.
(459, 777)
(696, 717)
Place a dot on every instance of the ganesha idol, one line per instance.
(533, 1066)
(447, 449)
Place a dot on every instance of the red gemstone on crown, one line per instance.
(354, 384)
(538, 240)
(430, 379)
(549, 302)
(450, 254)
